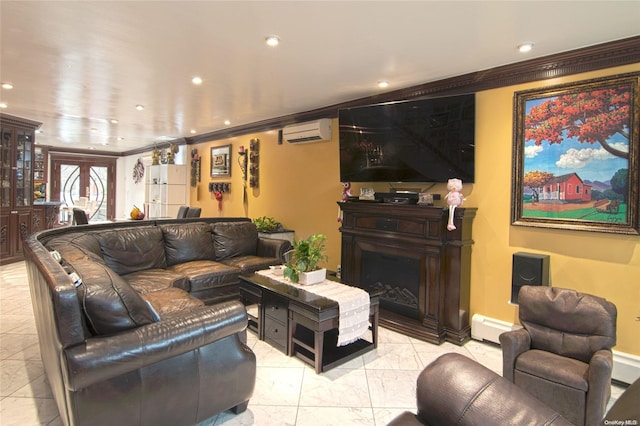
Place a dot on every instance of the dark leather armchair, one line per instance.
(456, 390)
(563, 356)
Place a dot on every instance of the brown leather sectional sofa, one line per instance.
(151, 333)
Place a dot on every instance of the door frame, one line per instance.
(84, 161)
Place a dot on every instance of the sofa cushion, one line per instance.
(171, 300)
(188, 242)
(76, 246)
(204, 274)
(110, 304)
(133, 249)
(155, 280)
(232, 239)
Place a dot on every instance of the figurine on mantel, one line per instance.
(346, 191)
(454, 199)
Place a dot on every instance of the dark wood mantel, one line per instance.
(442, 259)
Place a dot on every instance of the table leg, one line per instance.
(374, 327)
(319, 350)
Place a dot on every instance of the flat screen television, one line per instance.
(425, 140)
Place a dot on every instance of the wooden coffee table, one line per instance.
(302, 324)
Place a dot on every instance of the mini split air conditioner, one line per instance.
(312, 131)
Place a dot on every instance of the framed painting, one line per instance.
(576, 156)
(221, 161)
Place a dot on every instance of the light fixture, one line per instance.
(113, 121)
(139, 107)
(196, 80)
(7, 85)
(3, 105)
(227, 122)
(193, 131)
(272, 40)
(383, 84)
(525, 47)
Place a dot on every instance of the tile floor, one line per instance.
(370, 390)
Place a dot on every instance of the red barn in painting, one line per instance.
(568, 188)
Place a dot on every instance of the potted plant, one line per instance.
(267, 224)
(302, 260)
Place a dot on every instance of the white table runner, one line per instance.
(353, 303)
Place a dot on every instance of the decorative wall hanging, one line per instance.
(195, 167)
(242, 161)
(138, 171)
(254, 162)
(576, 156)
(221, 161)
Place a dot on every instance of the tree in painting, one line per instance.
(535, 181)
(590, 117)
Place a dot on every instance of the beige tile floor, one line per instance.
(369, 390)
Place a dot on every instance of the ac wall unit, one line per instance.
(312, 131)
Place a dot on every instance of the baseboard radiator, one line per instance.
(626, 367)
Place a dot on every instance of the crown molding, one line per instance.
(592, 58)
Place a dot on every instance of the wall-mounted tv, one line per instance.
(425, 140)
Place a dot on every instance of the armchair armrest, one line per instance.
(513, 343)
(599, 380)
(105, 357)
(273, 247)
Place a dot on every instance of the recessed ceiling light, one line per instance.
(227, 122)
(196, 80)
(93, 129)
(383, 84)
(193, 131)
(7, 86)
(272, 40)
(3, 105)
(139, 107)
(113, 121)
(525, 47)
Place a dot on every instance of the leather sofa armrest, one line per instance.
(599, 379)
(105, 357)
(513, 343)
(273, 247)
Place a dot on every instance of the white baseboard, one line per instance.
(626, 367)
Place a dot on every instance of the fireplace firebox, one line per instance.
(423, 269)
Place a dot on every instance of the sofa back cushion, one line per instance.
(232, 239)
(133, 249)
(109, 303)
(186, 242)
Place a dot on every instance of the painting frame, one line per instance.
(221, 161)
(576, 153)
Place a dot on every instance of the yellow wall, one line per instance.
(299, 186)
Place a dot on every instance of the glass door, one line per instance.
(86, 183)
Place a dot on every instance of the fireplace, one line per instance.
(422, 268)
(399, 279)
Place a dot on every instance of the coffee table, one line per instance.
(302, 324)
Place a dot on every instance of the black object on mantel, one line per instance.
(423, 268)
(397, 197)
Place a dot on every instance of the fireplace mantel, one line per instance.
(391, 235)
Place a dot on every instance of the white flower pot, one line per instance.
(313, 277)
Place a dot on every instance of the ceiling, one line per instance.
(75, 66)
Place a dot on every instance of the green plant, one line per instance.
(304, 256)
(267, 224)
